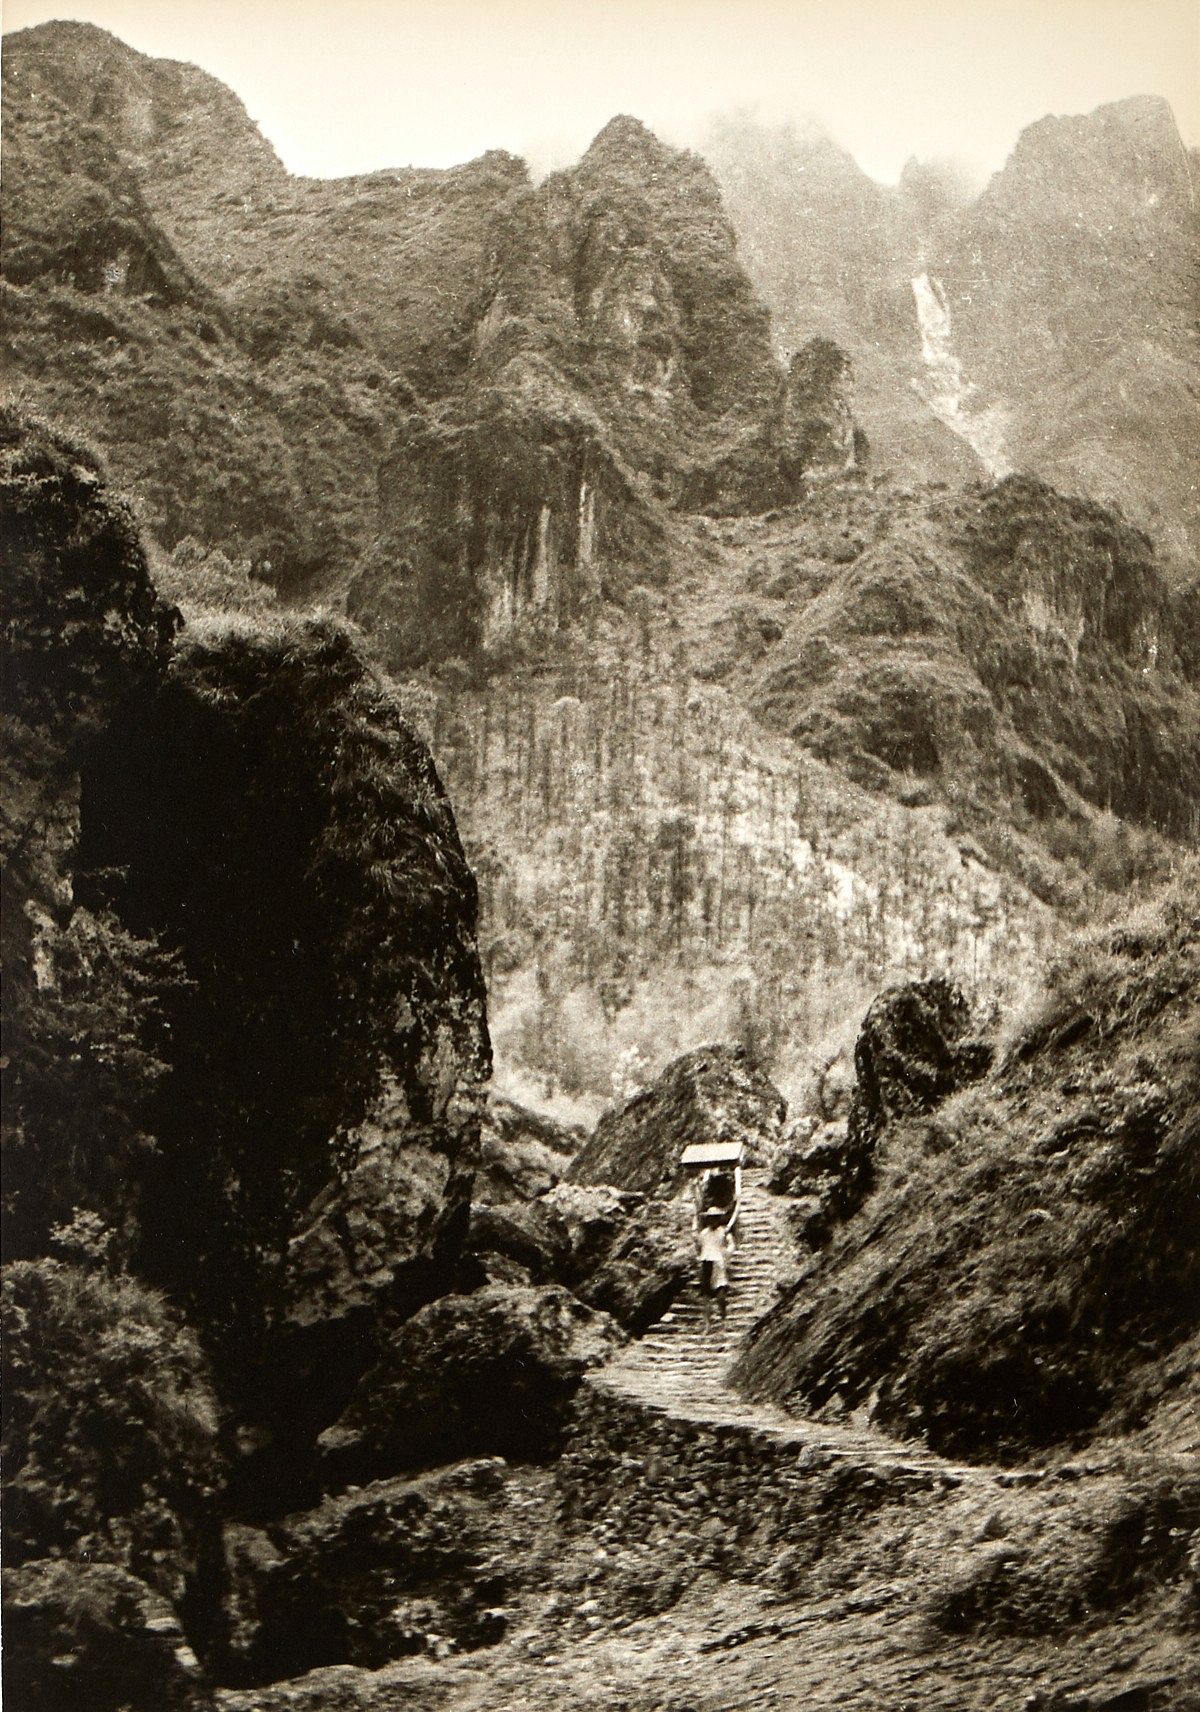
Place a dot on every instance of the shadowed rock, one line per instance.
(489, 1372)
(93, 1638)
(385, 1571)
(616, 1251)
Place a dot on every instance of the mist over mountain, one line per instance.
(1067, 288)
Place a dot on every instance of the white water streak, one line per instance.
(951, 397)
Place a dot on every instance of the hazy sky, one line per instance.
(345, 85)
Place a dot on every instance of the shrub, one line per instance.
(84, 1059)
(109, 1425)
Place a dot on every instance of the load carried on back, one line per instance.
(716, 1171)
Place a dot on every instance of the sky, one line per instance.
(345, 86)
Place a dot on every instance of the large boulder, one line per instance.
(487, 1373)
(271, 817)
(84, 634)
(405, 1566)
(914, 1049)
(623, 1253)
(1028, 1273)
(716, 1093)
(827, 1174)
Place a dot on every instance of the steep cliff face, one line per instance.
(499, 509)
(1065, 288)
(246, 1047)
(553, 365)
(658, 282)
(831, 253)
(260, 1076)
(1072, 283)
(85, 635)
(110, 324)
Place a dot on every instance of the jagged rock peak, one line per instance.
(1129, 137)
(626, 139)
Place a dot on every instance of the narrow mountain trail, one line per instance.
(680, 1368)
(831, 1607)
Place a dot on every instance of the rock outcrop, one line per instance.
(912, 1052)
(716, 1093)
(318, 1185)
(522, 1153)
(422, 1565)
(617, 1251)
(1064, 287)
(486, 1373)
(92, 1635)
(85, 637)
(489, 392)
(1070, 281)
(1016, 636)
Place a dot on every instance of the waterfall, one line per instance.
(951, 397)
(543, 564)
(587, 533)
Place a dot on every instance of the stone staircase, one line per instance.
(679, 1370)
(678, 1361)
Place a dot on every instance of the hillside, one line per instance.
(892, 732)
(1025, 1274)
(1072, 284)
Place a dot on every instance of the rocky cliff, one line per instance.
(247, 1044)
(1067, 291)
(490, 391)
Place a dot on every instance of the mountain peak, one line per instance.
(626, 138)
(1119, 138)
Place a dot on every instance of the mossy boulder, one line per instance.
(488, 1373)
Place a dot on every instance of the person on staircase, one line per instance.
(714, 1245)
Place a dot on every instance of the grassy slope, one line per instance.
(1027, 1273)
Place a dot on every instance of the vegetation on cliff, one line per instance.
(240, 972)
(1026, 1273)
